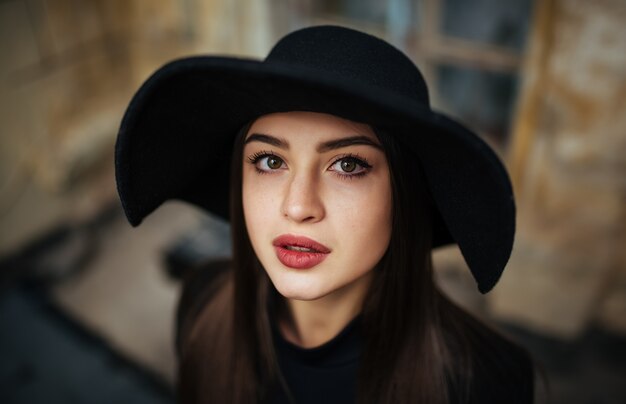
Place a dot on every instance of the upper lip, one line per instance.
(299, 241)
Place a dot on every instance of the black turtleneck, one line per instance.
(324, 374)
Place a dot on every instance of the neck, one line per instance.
(311, 323)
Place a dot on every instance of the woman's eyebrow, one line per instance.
(321, 148)
(274, 141)
(347, 141)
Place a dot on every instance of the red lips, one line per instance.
(299, 252)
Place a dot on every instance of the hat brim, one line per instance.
(176, 138)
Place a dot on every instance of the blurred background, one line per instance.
(87, 303)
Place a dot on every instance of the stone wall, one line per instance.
(68, 70)
(568, 165)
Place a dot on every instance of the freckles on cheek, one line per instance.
(354, 214)
(258, 201)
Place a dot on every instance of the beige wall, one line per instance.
(569, 168)
(67, 73)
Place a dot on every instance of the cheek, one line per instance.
(364, 223)
(260, 198)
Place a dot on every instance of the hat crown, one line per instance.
(352, 55)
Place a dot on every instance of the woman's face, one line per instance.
(316, 201)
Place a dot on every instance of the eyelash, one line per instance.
(361, 161)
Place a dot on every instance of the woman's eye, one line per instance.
(269, 163)
(350, 165)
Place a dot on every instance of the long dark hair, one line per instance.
(419, 346)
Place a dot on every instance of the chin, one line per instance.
(299, 296)
(298, 290)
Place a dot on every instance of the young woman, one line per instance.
(338, 180)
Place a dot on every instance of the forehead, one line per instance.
(311, 124)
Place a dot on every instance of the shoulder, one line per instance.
(199, 285)
(486, 365)
(503, 371)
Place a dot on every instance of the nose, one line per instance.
(302, 202)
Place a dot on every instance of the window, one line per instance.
(469, 51)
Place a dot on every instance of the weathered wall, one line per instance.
(65, 76)
(569, 170)
(68, 70)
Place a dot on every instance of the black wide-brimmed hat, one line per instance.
(176, 138)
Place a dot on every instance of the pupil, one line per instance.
(348, 165)
(273, 162)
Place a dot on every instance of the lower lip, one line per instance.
(299, 259)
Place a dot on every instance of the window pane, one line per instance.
(495, 22)
(365, 10)
(482, 99)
